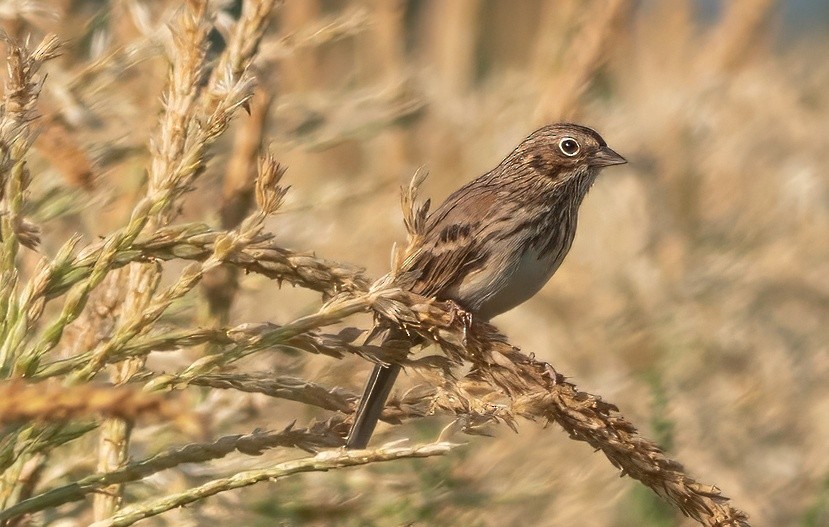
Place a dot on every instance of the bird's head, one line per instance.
(564, 150)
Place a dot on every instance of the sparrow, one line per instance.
(496, 241)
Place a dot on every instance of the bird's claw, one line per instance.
(550, 372)
(459, 313)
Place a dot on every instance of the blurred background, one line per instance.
(696, 296)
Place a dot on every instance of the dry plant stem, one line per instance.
(57, 143)
(351, 114)
(290, 388)
(141, 322)
(181, 131)
(453, 398)
(591, 47)
(18, 111)
(188, 63)
(253, 336)
(735, 36)
(243, 337)
(539, 392)
(114, 435)
(322, 462)
(113, 453)
(51, 401)
(176, 163)
(331, 313)
(317, 436)
(195, 241)
(21, 92)
(263, 256)
(179, 154)
(317, 33)
(247, 35)
(239, 177)
(455, 43)
(105, 254)
(220, 286)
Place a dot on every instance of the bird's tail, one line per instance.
(374, 398)
(379, 385)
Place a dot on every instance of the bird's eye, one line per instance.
(569, 146)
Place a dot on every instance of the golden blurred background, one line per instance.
(696, 296)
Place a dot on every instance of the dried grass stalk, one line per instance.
(56, 143)
(51, 401)
(590, 50)
(325, 461)
(291, 388)
(16, 115)
(317, 33)
(315, 437)
(181, 101)
(734, 38)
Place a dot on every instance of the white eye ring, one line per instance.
(569, 146)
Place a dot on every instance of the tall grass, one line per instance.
(151, 360)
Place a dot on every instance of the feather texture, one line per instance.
(497, 240)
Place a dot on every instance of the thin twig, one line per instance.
(322, 462)
(315, 437)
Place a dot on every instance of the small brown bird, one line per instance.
(497, 240)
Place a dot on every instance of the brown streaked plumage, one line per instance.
(498, 239)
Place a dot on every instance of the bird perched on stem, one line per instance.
(497, 240)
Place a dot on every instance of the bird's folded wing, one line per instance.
(453, 244)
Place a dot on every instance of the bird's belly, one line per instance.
(499, 288)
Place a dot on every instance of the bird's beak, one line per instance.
(605, 157)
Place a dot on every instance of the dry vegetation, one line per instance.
(152, 355)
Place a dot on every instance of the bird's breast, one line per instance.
(514, 271)
(527, 275)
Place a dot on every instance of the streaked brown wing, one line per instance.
(453, 243)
